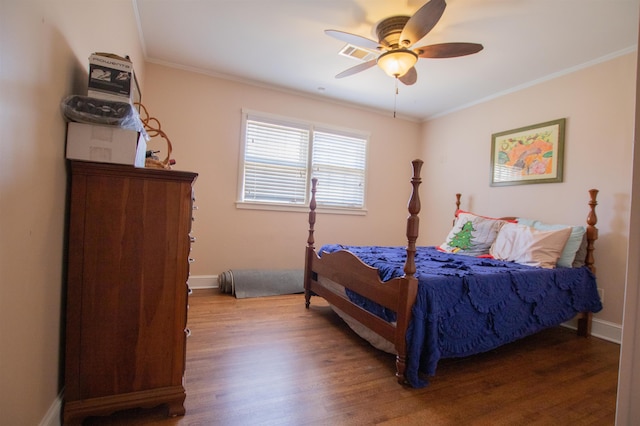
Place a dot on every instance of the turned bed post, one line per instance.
(310, 243)
(409, 290)
(592, 231)
(413, 221)
(584, 322)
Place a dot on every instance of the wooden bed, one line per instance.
(327, 274)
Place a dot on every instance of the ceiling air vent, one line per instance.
(357, 53)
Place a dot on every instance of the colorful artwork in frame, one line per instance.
(532, 154)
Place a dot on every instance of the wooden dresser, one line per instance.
(127, 291)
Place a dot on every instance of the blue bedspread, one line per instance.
(467, 305)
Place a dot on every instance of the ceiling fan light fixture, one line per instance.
(396, 38)
(398, 62)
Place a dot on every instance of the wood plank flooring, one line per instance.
(269, 361)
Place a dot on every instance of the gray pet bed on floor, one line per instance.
(245, 283)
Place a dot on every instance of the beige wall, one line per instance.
(44, 46)
(44, 50)
(598, 103)
(202, 116)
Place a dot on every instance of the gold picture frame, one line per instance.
(531, 154)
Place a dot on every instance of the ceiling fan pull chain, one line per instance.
(395, 99)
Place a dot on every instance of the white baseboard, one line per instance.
(203, 281)
(601, 329)
(54, 413)
(606, 330)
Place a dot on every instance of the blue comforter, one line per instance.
(467, 305)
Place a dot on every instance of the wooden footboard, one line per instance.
(347, 270)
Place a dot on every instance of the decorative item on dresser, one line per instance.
(492, 282)
(127, 289)
(154, 130)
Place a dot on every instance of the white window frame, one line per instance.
(312, 127)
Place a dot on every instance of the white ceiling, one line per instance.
(281, 44)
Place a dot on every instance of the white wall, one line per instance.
(598, 103)
(44, 50)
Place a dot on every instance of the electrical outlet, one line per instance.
(601, 293)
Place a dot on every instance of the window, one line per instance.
(280, 156)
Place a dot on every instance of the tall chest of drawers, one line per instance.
(126, 306)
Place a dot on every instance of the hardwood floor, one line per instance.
(269, 361)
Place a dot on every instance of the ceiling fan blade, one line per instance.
(354, 39)
(358, 68)
(422, 22)
(410, 77)
(448, 50)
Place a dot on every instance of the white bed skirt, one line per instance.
(372, 337)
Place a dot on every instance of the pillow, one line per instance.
(581, 254)
(472, 235)
(530, 246)
(573, 244)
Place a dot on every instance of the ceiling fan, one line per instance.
(397, 35)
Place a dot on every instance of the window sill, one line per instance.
(300, 209)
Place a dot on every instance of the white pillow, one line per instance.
(529, 246)
(574, 242)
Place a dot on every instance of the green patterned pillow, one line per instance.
(472, 235)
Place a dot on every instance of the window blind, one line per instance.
(280, 157)
(275, 162)
(338, 162)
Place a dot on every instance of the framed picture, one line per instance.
(532, 154)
